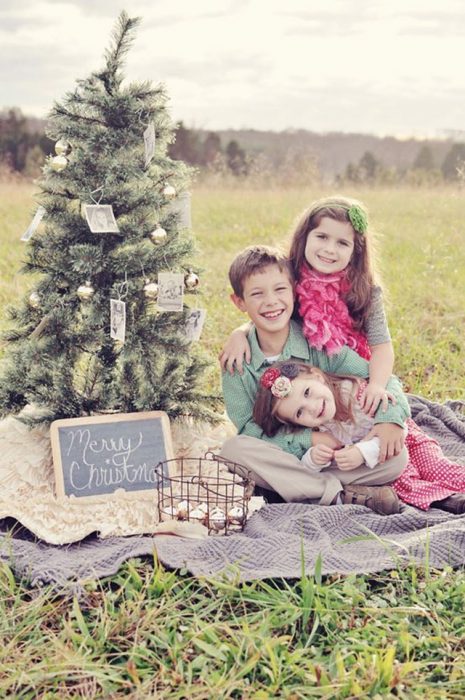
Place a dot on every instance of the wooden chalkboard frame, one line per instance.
(56, 435)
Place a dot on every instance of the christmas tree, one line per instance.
(92, 335)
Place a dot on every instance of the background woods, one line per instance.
(287, 157)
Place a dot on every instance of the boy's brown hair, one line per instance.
(251, 260)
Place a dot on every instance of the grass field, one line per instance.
(149, 633)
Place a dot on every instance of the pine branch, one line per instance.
(123, 37)
(60, 111)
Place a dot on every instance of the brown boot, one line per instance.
(380, 499)
(455, 503)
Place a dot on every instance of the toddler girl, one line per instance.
(295, 395)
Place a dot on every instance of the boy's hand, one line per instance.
(391, 439)
(372, 396)
(322, 454)
(348, 458)
(235, 351)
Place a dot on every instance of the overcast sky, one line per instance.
(377, 66)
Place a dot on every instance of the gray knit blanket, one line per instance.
(278, 541)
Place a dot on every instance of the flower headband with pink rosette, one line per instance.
(278, 381)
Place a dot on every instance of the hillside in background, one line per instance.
(335, 150)
(288, 156)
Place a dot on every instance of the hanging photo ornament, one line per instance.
(149, 143)
(62, 147)
(169, 192)
(86, 291)
(195, 319)
(171, 290)
(58, 163)
(158, 236)
(150, 290)
(38, 216)
(118, 320)
(191, 280)
(34, 300)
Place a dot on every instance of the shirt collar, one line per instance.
(295, 346)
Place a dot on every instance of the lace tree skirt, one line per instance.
(27, 485)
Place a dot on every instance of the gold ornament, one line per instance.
(169, 192)
(59, 163)
(86, 291)
(191, 280)
(34, 300)
(158, 236)
(150, 290)
(62, 147)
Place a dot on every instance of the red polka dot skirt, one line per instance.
(428, 476)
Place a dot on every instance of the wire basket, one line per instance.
(207, 490)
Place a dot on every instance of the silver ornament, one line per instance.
(236, 515)
(158, 236)
(191, 280)
(150, 289)
(62, 147)
(217, 519)
(34, 300)
(169, 192)
(198, 514)
(86, 291)
(182, 510)
(58, 163)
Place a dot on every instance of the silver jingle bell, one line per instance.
(35, 300)
(191, 280)
(58, 163)
(169, 192)
(158, 236)
(86, 291)
(62, 147)
(150, 290)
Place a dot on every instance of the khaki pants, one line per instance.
(280, 471)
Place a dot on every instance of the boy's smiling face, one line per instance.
(268, 299)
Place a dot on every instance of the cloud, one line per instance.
(327, 22)
(434, 24)
(342, 64)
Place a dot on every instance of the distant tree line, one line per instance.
(424, 170)
(208, 152)
(24, 146)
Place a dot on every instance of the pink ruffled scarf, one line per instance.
(326, 323)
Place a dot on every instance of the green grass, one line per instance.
(149, 633)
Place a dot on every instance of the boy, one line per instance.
(263, 288)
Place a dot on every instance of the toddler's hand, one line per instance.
(372, 396)
(322, 454)
(348, 458)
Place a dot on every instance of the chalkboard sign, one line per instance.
(98, 455)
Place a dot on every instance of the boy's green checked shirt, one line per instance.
(239, 390)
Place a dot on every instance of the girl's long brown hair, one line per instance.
(361, 271)
(266, 405)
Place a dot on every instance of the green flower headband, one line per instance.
(356, 214)
(358, 218)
